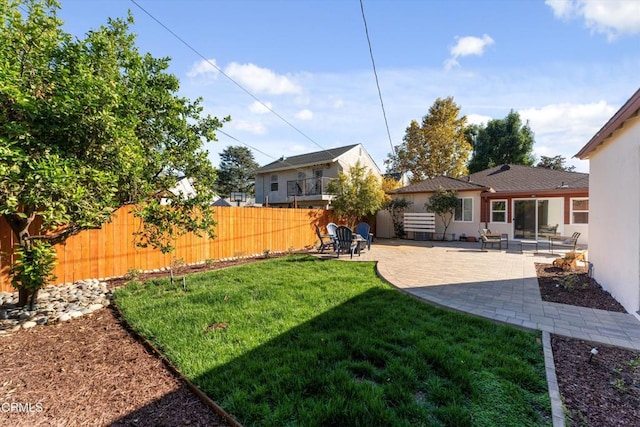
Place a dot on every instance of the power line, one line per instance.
(375, 73)
(194, 50)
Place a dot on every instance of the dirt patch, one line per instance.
(601, 389)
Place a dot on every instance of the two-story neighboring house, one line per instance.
(301, 181)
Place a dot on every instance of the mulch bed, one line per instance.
(90, 371)
(583, 291)
(598, 390)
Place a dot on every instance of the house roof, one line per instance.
(505, 178)
(445, 182)
(324, 156)
(513, 178)
(628, 110)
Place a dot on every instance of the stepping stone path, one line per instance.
(55, 304)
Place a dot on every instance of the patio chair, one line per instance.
(344, 241)
(364, 230)
(326, 240)
(486, 239)
(564, 242)
(492, 239)
(331, 230)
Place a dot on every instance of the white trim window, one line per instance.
(464, 210)
(579, 211)
(498, 211)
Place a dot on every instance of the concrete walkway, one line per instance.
(498, 285)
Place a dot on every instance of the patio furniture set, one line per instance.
(558, 242)
(342, 239)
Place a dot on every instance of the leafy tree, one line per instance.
(437, 147)
(236, 171)
(396, 208)
(555, 162)
(443, 203)
(503, 141)
(357, 194)
(86, 127)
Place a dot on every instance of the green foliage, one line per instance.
(89, 125)
(324, 342)
(437, 147)
(356, 194)
(236, 171)
(133, 274)
(443, 203)
(569, 282)
(555, 163)
(502, 141)
(34, 265)
(396, 208)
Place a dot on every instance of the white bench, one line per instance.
(419, 222)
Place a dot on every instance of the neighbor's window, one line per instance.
(579, 211)
(274, 182)
(464, 210)
(498, 211)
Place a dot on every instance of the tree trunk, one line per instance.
(20, 227)
(25, 296)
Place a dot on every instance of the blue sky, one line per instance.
(565, 65)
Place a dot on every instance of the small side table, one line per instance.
(524, 243)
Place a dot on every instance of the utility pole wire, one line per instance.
(375, 73)
(194, 50)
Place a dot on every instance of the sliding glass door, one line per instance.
(537, 218)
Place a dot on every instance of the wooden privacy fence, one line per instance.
(111, 250)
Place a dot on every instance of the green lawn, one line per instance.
(321, 342)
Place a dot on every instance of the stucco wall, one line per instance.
(358, 154)
(614, 214)
(468, 228)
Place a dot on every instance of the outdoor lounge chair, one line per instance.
(486, 237)
(564, 242)
(326, 241)
(490, 239)
(345, 242)
(364, 230)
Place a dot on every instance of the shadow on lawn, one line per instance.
(356, 365)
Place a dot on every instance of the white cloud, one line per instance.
(205, 68)
(567, 117)
(565, 128)
(253, 127)
(304, 115)
(471, 45)
(260, 108)
(610, 17)
(466, 46)
(477, 119)
(261, 80)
